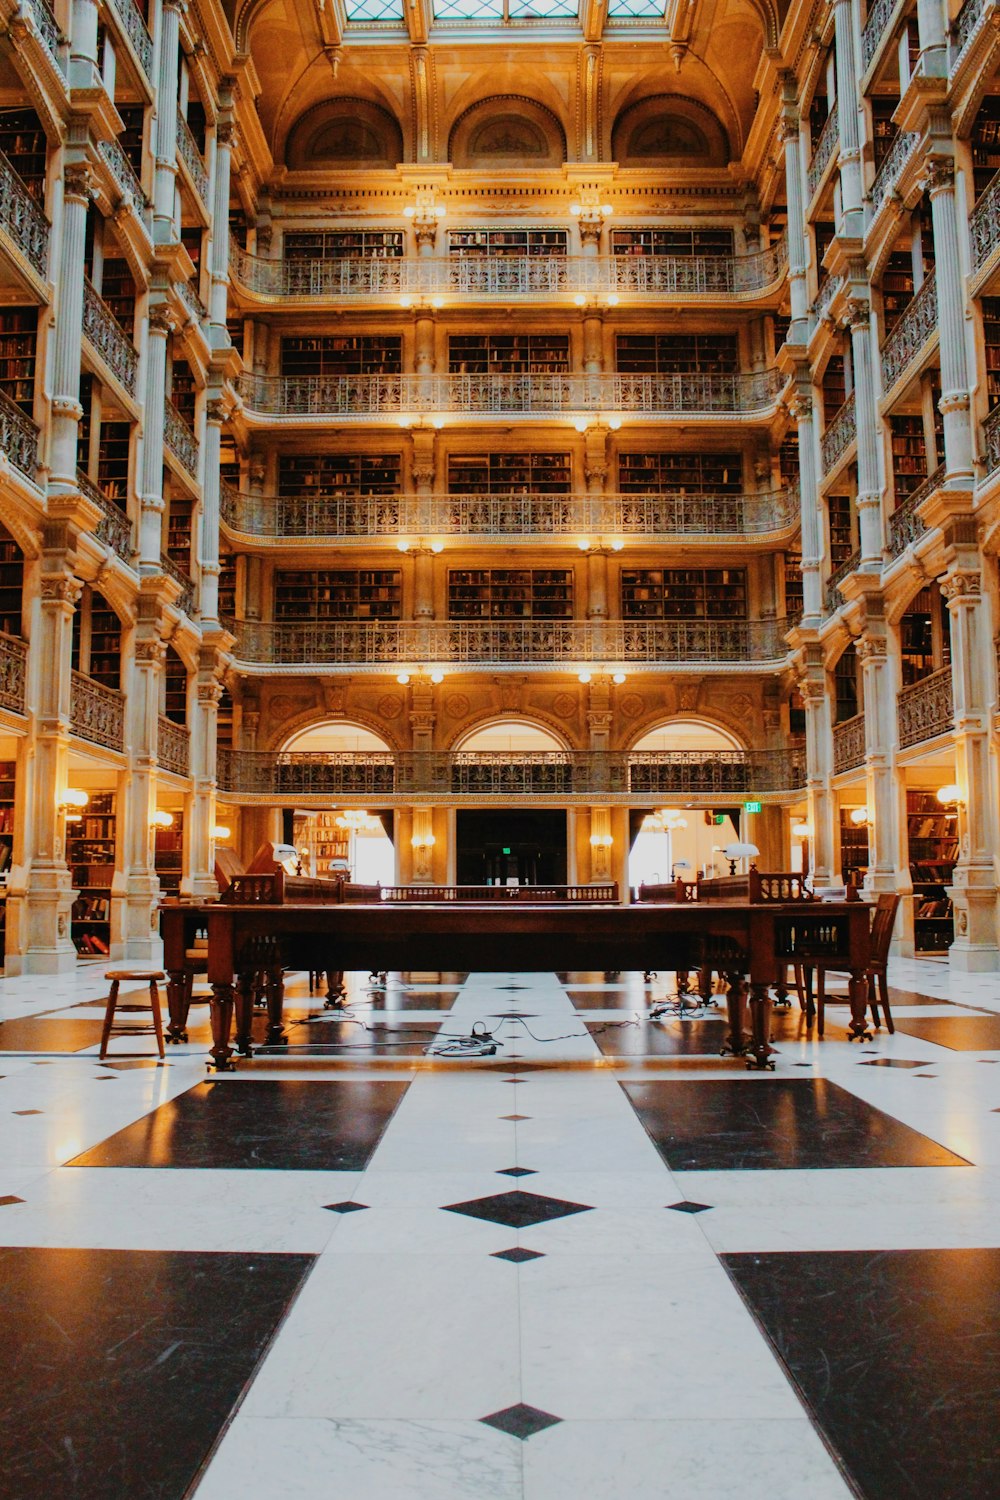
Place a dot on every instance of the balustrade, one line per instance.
(912, 331)
(964, 25)
(878, 20)
(134, 27)
(185, 601)
(991, 440)
(828, 143)
(925, 709)
(114, 528)
(905, 526)
(18, 437)
(22, 219)
(173, 746)
(48, 29)
(828, 289)
(902, 148)
(848, 566)
(96, 712)
(190, 154)
(849, 744)
(984, 225)
(13, 673)
(124, 174)
(191, 300)
(105, 334)
(180, 439)
(839, 435)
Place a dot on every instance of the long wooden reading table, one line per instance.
(749, 944)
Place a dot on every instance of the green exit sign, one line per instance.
(752, 806)
(718, 819)
(505, 851)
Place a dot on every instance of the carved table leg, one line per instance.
(222, 1020)
(736, 994)
(857, 990)
(705, 984)
(781, 989)
(246, 987)
(336, 990)
(760, 1048)
(177, 1007)
(275, 990)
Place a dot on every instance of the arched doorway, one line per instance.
(671, 839)
(517, 844)
(345, 839)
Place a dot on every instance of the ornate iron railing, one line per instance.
(185, 601)
(515, 275)
(828, 143)
(191, 300)
(96, 712)
(925, 709)
(560, 773)
(134, 27)
(848, 566)
(173, 746)
(964, 25)
(124, 174)
(13, 673)
(180, 438)
(18, 437)
(991, 440)
(984, 224)
(114, 528)
(839, 435)
(828, 289)
(849, 744)
(190, 155)
(48, 29)
(106, 335)
(364, 395)
(511, 515)
(917, 324)
(502, 643)
(22, 219)
(905, 526)
(878, 20)
(891, 169)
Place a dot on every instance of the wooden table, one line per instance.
(750, 946)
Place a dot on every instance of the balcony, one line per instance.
(114, 528)
(509, 517)
(360, 396)
(108, 339)
(566, 774)
(828, 289)
(965, 26)
(505, 276)
(13, 672)
(190, 156)
(48, 29)
(878, 19)
(134, 27)
(991, 440)
(173, 746)
(826, 146)
(917, 325)
(849, 744)
(984, 225)
(839, 435)
(833, 597)
(509, 644)
(185, 600)
(905, 526)
(926, 709)
(180, 439)
(22, 220)
(96, 712)
(891, 170)
(193, 304)
(18, 437)
(126, 180)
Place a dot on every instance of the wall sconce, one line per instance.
(618, 678)
(221, 832)
(858, 815)
(425, 210)
(601, 840)
(161, 819)
(733, 852)
(73, 802)
(402, 678)
(423, 841)
(950, 794)
(356, 819)
(802, 831)
(437, 677)
(584, 677)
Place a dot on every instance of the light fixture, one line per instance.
(221, 832)
(858, 815)
(354, 819)
(162, 819)
(437, 423)
(437, 302)
(409, 212)
(406, 300)
(73, 801)
(682, 864)
(576, 209)
(584, 544)
(405, 421)
(612, 299)
(617, 543)
(402, 545)
(601, 840)
(423, 841)
(618, 678)
(607, 208)
(580, 299)
(802, 830)
(952, 793)
(584, 677)
(437, 546)
(736, 851)
(437, 677)
(402, 678)
(614, 423)
(581, 424)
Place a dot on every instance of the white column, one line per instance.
(866, 426)
(66, 408)
(219, 257)
(159, 326)
(140, 933)
(208, 562)
(83, 70)
(165, 183)
(847, 118)
(887, 859)
(200, 811)
(933, 31)
(819, 769)
(954, 402)
(801, 408)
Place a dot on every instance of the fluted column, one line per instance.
(422, 475)
(200, 812)
(954, 403)
(219, 289)
(216, 411)
(819, 769)
(83, 69)
(160, 325)
(423, 583)
(866, 427)
(142, 884)
(932, 30)
(66, 408)
(847, 118)
(888, 865)
(973, 669)
(801, 408)
(165, 182)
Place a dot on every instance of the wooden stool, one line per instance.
(144, 976)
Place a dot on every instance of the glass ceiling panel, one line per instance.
(544, 10)
(629, 10)
(468, 10)
(505, 10)
(375, 10)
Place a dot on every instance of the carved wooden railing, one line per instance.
(105, 334)
(849, 744)
(114, 528)
(18, 437)
(22, 219)
(917, 324)
(97, 713)
(180, 439)
(828, 289)
(173, 746)
(839, 435)
(185, 290)
(905, 526)
(925, 709)
(828, 143)
(13, 673)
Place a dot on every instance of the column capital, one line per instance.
(857, 314)
(800, 406)
(217, 409)
(871, 648)
(150, 652)
(962, 587)
(61, 588)
(161, 319)
(939, 176)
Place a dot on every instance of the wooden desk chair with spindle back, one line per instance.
(883, 922)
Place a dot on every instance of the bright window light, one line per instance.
(636, 10)
(360, 11)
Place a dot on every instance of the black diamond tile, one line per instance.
(513, 1015)
(517, 1255)
(521, 1421)
(514, 1117)
(958, 1033)
(507, 987)
(10, 1198)
(135, 1062)
(687, 1207)
(345, 1208)
(891, 1062)
(28, 1111)
(517, 1172)
(517, 1209)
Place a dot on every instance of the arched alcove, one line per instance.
(335, 735)
(669, 130)
(344, 133)
(510, 734)
(507, 131)
(687, 734)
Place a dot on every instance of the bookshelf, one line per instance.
(897, 288)
(322, 475)
(90, 853)
(11, 588)
(884, 130)
(502, 242)
(932, 835)
(18, 331)
(841, 528)
(118, 291)
(985, 143)
(224, 721)
(676, 353)
(168, 856)
(227, 585)
(22, 141)
(175, 684)
(510, 594)
(788, 459)
(680, 241)
(363, 354)
(508, 473)
(794, 603)
(96, 624)
(344, 244)
(853, 849)
(183, 393)
(924, 636)
(684, 593)
(329, 846)
(179, 523)
(845, 685)
(834, 388)
(337, 594)
(909, 454)
(644, 473)
(508, 354)
(130, 139)
(8, 774)
(823, 233)
(113, 461)
(990, 308)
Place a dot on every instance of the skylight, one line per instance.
(505, 10)
(636, 10)
(375, 10)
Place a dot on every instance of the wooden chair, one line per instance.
(883, 922)
(144, 976)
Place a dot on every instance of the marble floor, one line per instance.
(599, 1262)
